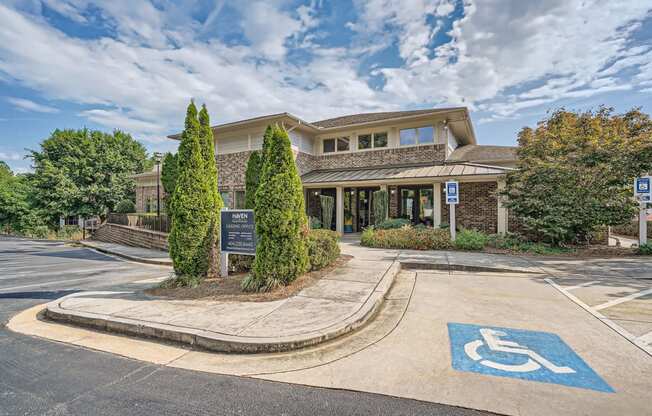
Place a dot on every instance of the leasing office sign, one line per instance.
(238, 231)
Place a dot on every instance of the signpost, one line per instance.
(452, 199)
(643, 193)
(237, 235)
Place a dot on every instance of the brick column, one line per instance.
(436, 204)
(502, 226)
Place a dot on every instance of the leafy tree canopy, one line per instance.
(85, 172)
(252, 178)
(576, 173)
(169, 172)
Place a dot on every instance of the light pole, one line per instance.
(157, 160)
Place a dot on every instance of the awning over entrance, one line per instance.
(401, 172)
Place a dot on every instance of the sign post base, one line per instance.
(224, 264)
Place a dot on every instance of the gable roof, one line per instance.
(371, 117)
(483, 153)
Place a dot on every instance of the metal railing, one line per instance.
(151, 222)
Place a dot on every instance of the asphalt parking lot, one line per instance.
(42, 377)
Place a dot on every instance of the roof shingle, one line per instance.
(483, 153)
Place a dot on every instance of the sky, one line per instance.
(134, 65)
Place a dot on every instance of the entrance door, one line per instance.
(417, 204)
(364, 208)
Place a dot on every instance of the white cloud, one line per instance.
(28, 105)
(505, 56)
(10, 156)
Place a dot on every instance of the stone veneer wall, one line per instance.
(478, 207)
(131, 236)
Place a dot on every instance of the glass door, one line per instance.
(364, 211)
(417, 204)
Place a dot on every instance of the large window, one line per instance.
(339, 144)
(419, 135)
(226, 197)
(372, 141)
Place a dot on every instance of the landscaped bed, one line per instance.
(229, 289)
(398, 234)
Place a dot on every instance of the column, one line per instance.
(436, 204)
(502, 211)
(339, 210)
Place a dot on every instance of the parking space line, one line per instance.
(611, 324)
(582, 285)
(645, 339)
(623, 299)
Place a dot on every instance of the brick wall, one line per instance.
(130, 236)
(380, 158)
(231, 168)
(478, 207)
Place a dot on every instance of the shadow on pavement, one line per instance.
(48, 295)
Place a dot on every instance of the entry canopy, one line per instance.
(402, 172)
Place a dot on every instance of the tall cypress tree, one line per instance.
(281, 223)
(190, 216)
(215, 204)
(252, 178)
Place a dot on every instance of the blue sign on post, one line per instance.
(452, 192)
(238, 231)
(517, 353)
(643, 189)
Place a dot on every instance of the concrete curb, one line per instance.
(125, 256)
(219, 342)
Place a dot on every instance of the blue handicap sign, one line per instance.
(518, 353)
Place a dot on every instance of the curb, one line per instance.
(126, 256)
(225, 343)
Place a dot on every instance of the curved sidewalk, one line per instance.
(337, 304)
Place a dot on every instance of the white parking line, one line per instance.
(582, 285)
(30, 273)
(611, 324)
(6, 289)
(622, 300)
(645, 339)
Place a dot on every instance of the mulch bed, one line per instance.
(229, 289)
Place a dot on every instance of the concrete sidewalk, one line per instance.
(137, 254)
(339, 303)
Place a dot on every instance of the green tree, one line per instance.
(281, 224)
(85, 172)
(192, 204)
(252, 178)
(576, 172)
(169, 173)
(215, 203)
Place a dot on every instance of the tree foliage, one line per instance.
(196, 203)
(85, 172)
(252, 178)
(191, 202)
(281, 223)
(576, 172)
(211, 240)
(169, 173)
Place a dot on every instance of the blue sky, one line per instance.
(133, 66)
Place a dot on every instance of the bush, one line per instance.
(515, 242)
(645, 249)
(70, 232)
(392, 223)
(281, 223)
(407, 237)
(470, 240)
(239, 263)
(315, 223)
(126, 206)
(322, 248)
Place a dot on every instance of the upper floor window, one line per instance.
(419, 135)
(375, 140)
(339, 144)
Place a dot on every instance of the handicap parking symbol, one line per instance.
(517, 353)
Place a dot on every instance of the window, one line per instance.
(329, 145)
(342, 144)
(420, 135)
(364, 141)
(339, 144)
(376, 140)
(226, 197)
(239, 200)
(380, 139)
